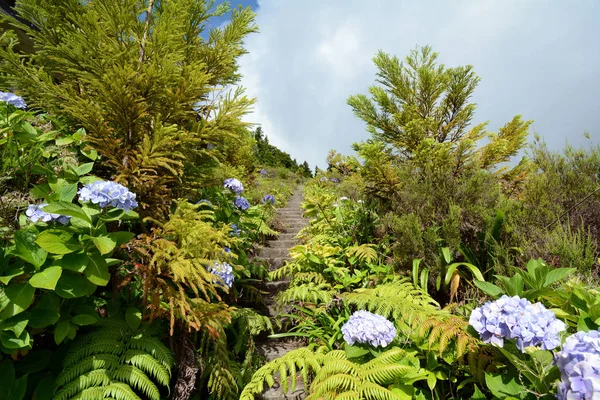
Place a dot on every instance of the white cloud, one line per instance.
(537, 58)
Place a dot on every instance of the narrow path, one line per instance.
(276, 253)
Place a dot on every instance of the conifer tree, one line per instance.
(421, 113)
(151, 87)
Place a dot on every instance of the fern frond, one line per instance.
(307, 293)
(148, 364)
(136, 378)
(155, 348)
(99, 361)
(365, 253)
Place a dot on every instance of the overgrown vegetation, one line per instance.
(133, 199)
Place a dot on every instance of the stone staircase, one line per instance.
(276, 253)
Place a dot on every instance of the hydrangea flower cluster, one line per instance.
(235, 231)
(224, 271)
(368, 328)
(241, 203)
(335, 180)
(234, 185)
(108, 194)
(13, 99)
(268, 198)
(35, 214)
(516, 318)
(579, 365)
(343, 198)
(324, 179)
(263, 172)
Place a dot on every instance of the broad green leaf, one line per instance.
(64, 141)
(7, 373)
(355, 351)
(20, 297)
(57, 241)
(70, 209)
(503, 386)
(16, 324)
(5, 279)
(73, 262)
(97, 271)
(446, 254)
(61, 331)
(557, 274)
(46, 279)
(488, 288)
(84, 319)
(478, 395)
(34, 361)
(104, 244)
(133, 317)
(45, 388)
(70, 286)
(27, 249)
(121, 237)
(14, 342)
(67, 193)
(90, 153)
(84, 168)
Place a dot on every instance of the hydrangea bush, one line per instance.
(13, 99)
(579, 365)
(268, 198)
(368, 328)
(516, 318)
(36, 213)
(234, 185)
(224, 271)
(108, 194)
(241, 203)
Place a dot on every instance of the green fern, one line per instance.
(114, 362)
(321, 293)
(364, 252)
(335, 376)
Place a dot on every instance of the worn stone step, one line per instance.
(268, 252)
(277, 286)
(286, 236)
(291, 219)
(281, 243)
(298, 225)
(275, 263)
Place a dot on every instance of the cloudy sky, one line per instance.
(538, 58)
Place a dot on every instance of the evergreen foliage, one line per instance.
(113, 361)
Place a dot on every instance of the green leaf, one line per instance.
(557, 274)
(20, 296)
(84, 168)
(478, 395)
(11, 341)
(70, 209)
(67, 193)
(71, 286)
(16, 324)
(97, 271)
(90, 153)
(133, 317)
(7, 374)
(45, 388)
(11, 274)
(34, 361)
(104, 244)
(57, 241)
(503, 386)
(27, 249)
(84, 319)
(488, 288)
(73, 262)
(64, 141)
(46, 279)
(121, 237)
(446, 254)
(61, 331)
(453, 267)
(45, 311)
(355, 351)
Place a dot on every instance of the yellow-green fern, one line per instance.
(113, 361)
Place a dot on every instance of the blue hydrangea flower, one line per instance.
(268, 198)
(516, 318)
(263, 172)
(335, 180)
(108, 194)
(368, 328)
(224, 271)
(579, 365)
(235, 231)
(13, 99)
(241, 203)
(323, 179)
(204, 201)
(35, 214)
(234, 185)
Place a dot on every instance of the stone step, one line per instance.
(269, 252)
(286, 236)
(275, 263)
(295, 225)
(282, 243)
(275, 287)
